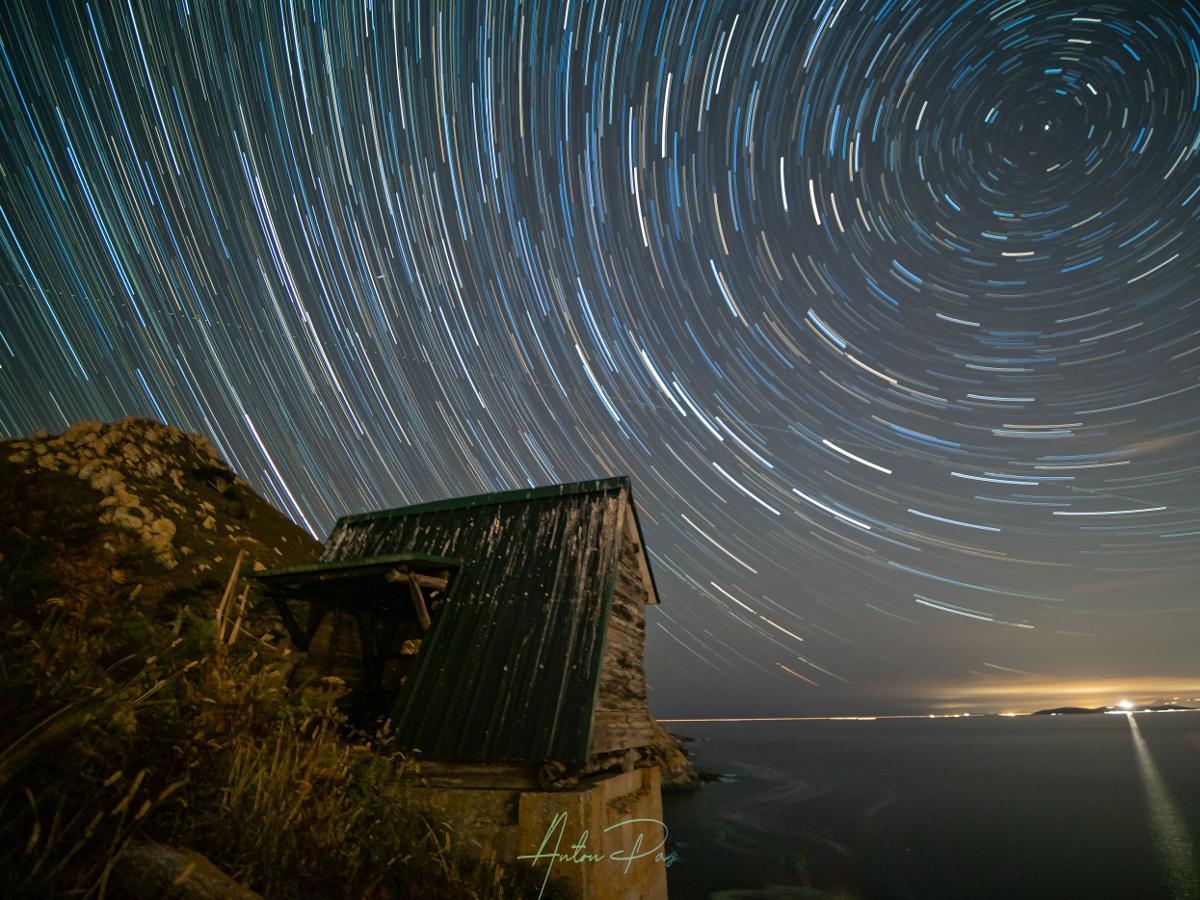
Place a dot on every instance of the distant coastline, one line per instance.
(1053, 711)
(1084, 710)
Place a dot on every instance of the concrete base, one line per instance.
(603, 840)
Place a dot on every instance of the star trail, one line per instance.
(891, 309)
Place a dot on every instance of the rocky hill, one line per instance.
(142, 501)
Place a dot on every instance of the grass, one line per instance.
(126, 716)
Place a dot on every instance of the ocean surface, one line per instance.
(1091, 806)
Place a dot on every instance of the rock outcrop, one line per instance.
(146, 870)
(168, 513)
(678, 774)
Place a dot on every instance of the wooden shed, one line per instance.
(504, 631)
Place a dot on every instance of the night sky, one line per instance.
(890, 309)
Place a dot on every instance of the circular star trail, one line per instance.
(890, 309)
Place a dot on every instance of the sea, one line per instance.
(1068, 806)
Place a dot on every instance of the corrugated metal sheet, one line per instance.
(509, 670)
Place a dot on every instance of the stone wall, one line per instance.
(587, 840)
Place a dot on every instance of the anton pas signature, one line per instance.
(550, 851)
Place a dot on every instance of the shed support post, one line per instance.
(418, 601)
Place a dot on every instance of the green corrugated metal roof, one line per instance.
(521, 494)
(509, 670)
(493, 499)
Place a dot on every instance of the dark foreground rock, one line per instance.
(151, 871)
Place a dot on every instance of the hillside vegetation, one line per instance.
(158, 737)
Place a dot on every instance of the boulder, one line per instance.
(148, 871)
(81, 430)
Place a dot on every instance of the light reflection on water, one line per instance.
(983, 807)
(1174, 843)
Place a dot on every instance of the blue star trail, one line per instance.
(891, 309)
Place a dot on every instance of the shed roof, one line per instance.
(290, 575)
(510, 669)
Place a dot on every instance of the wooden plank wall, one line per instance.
(622, 719)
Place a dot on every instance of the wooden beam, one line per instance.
(316, 615)
(418, 601)
(397, 573)
(372, 664)
(426, 581)
(290, 623)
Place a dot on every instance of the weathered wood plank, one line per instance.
(621, 720)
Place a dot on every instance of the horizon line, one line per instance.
(871, 718)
